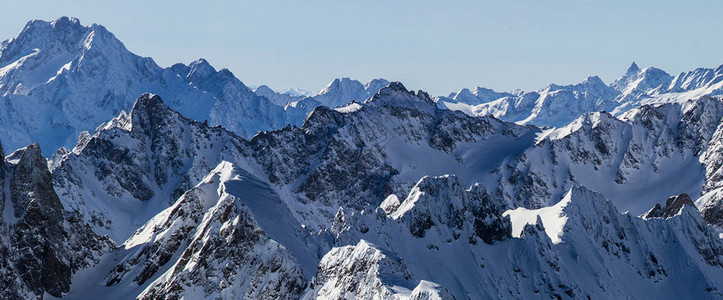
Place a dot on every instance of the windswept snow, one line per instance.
(553, 218)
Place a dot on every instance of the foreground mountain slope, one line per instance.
(441, 240)
(583, 247)
(42, 245)
(376, 171)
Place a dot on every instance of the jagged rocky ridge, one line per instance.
(42, 244)
(224, 247)
(672, 206)
(339, 92)
(155, 154)
(649, 153)
(346, 175)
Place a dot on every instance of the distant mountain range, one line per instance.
(65, 78)
(558, 105)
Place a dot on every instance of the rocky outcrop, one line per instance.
(44, 244)
(208, 242)
(672, 207)
(441, 203)
(134, 157)
(227, 254)
(363, 271)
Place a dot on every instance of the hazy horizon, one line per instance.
(436, 47)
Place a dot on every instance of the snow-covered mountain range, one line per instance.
(60, 78)
(557, 105)
(370, 180)
(372, 192)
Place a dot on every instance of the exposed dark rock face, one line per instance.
(675, 203)
(655, 212)
(713, 214)
(672, 207)
(443, 203)
(136, 155)
(45, 244)
(39, 227)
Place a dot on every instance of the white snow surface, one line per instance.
(552, 217)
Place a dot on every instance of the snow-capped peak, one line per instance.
(591, 82)
(65, 20)
(296, 92)
(62, 74)
(342, 91)
(395, 94)
(638, 81)
(200, 69)
(343, 83)
(263, 89)
(374, 85)
(149, 111)
(633, 69)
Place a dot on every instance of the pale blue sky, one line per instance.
(437, 46)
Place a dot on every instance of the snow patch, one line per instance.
(553, 218)
(352, 107)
